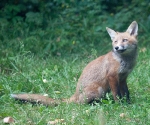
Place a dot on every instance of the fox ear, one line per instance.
(133, 29)
(111, 33)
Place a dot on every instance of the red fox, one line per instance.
(108, 72)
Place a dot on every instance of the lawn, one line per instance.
(44, 46)
(57, 77)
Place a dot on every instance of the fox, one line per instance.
(107, 73)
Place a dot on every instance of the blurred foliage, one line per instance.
(59, 27)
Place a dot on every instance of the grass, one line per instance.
(28, 74)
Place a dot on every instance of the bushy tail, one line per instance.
(36, 98)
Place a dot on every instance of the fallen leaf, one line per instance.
(143, 50)
(8, 120)
(56, 121)
(45, 94)
(45, 81)
(122, 115)
(52, 122)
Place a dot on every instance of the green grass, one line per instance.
(27, 73)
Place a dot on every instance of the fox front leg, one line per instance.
(124, 90)
(114, 86)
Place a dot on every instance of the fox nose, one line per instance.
(116, 47)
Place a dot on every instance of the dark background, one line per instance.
(62, 27)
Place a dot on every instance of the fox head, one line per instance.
(124, 43)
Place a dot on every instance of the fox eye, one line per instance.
(115, 41)
(125, 40)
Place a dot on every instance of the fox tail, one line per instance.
(36, 99)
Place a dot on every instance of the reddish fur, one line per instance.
(108, 72)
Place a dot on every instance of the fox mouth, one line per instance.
(121, 51)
